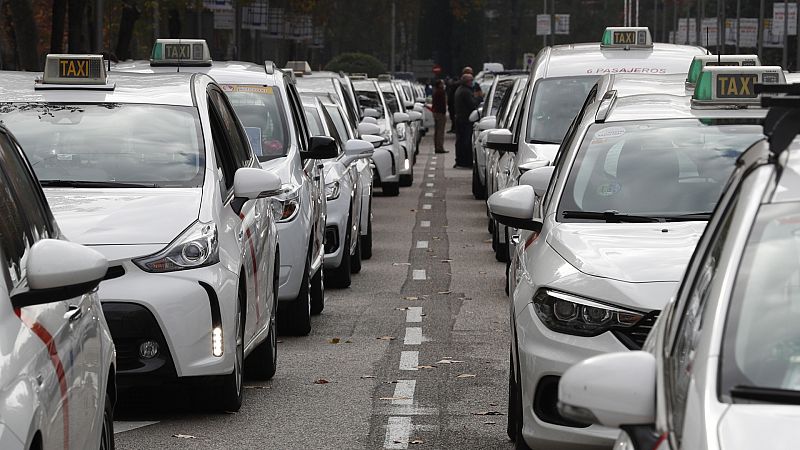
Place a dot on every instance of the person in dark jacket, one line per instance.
(465, 101)
(439, 116)
(452, 85)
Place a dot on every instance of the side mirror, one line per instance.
(376, 141)
(501, 140)
(408, 104)
(250, 183)
(487, 123)
(371, 120)
(401, 117)
(356, 149)
(613, 389)
(368, 128)
(418, 107)
(321, 147)
(414, 116)
(60, 270)
(371, 112)
(513, 207)
(538, 179)
(474, 116)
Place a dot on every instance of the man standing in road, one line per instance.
(466, 100)
(439, 116)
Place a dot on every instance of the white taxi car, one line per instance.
(619, 216)
(720, 368)
(57, 385)
(401, 120)
(155, 172)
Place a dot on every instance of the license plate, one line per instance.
(177, 51)
(736, 85)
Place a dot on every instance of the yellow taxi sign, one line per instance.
(730, 85)
(180, 52)
(65, 69)
(701, 61)
(626, 38)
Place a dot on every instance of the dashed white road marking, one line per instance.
(425, 223)
(398, 432)
(413, 336)
(422, 244)
(414, 314)
(126, 425)
(426, 206)
(418, 274)
(409, 360)
(433, 158)
(431, 175)
(433, 163)
(429, 184)
(429, 194)
(404, 392)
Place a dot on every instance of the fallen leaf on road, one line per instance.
(184, 436)
(333, 341)
(449, 361)
(444, 292)
(482, 272)
(386, 338)
(426, 367)
(395, 398)
(321, 381)
(490, 422)
(401, 264)
(466, 375)
(373, 376)
(488, 413)
(411, 298)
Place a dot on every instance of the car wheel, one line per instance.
(107, 433)
(391, 189)
(515, 420)
(366, 240)
(318, 291)
(297, 319)
(407, 179)
(263, 361)
(339, 277)
(231, 393)
(478, 190)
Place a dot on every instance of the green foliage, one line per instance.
(356, 63)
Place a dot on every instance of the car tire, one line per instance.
(515, 420)
(407, 180)
(107, 432)
(478, 190)
(231, 393)
(318, 291)
(296, 321)
(340, 277)
(366, 240)
(391, 189)
(263, 361)
(355, 258)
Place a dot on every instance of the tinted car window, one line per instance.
(260, 108)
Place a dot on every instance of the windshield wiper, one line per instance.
(609, 216)
(763, 394)
(689, 217)
(94, 184)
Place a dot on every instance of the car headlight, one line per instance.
(570, 314)
(332, 190)
(287, 203)
(198, 246)
(401, 131)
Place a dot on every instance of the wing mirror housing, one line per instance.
(487, 123)
(400, 117)
(418, 107)
(408, 104)
(514, 207)
(371, 120)
(613, 390)
(376, 141)
(60, 270)
(414, 116)
(368, 128)
(538, 179)
(501, 140)
(474, 116)
(357, 149)
(250, 183)
(371, 112)
(321, 147)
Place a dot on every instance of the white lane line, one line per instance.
(422, 244)
(398, 432)
(433, 158)
(414, 314)
(418, 274)
(429, 184)
(426, 206)
(431, 175)
(413, 336)
(121, 426)
(425, 223)
(433, 163)
(404, 392)
(409, 360)
(429, 194)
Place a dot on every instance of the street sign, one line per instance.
(224, 20)
(687, 31)
(543, 25)
(218, 5)
(437, 69)
(527, 60)
(561, 23)
(708, 32)
(748, 32)
(778, 19)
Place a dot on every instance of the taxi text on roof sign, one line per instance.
(699, 62)
(60, 70)
(180, 52)
(626, 38)
(725, 85)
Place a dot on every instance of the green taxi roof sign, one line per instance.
(734, 85)
(68, 71)
(180, 52)
(701, 61)
(626, 38)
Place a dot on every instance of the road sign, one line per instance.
(561, 23)
(543, 25)
(527, 60)
(778, 19)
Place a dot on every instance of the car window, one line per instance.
(498, 94)
(298, 117)
(337, 123)
(314, 121)
(370, 99)
(238, 143)
(260, 108)
(226, 164)
(554, 103)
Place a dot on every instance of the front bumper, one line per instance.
(544, 355)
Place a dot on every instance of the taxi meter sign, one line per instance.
(180, 52)
(79, 70)
(177, 51)
(734, 85)
(701, 61)
(626, 37)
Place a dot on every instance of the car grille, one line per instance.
(634, 337)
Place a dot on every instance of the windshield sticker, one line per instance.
(247, 88)
(610, 132)
(608, 189)
(604, 70)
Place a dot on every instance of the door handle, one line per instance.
(74, 312)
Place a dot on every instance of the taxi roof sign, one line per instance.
(299, 67)
(701, 61)
(65, 71)
(180, 52)
(734, 85)
(626, 38)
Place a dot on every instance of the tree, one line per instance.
(356, 63)
(25, 35)
(57, 27)
(77, 41)
(127, 21)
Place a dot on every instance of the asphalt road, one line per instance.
(413, 355)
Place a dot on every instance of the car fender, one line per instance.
(21, 422)
(384, 162)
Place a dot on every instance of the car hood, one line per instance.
(123, 216)
(634, 253)
(747, 426)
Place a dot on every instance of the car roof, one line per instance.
(590, 59)
(224, 72)
(164, 89)
(650, 106)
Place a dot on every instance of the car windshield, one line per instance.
(659, 168)
(761, 341)
(109, 144)
(261, 111)
(555, 102)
